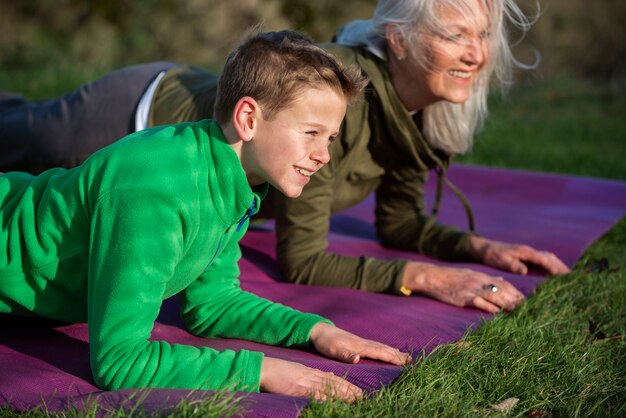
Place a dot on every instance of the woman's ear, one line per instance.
(245, 116)
(395, 41)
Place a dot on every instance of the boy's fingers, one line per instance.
(338, 388)
(348, 356)
(377, 351)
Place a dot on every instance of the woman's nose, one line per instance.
(474, 51)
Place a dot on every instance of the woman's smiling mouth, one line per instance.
(460, 74)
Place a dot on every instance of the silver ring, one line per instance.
(491, 287)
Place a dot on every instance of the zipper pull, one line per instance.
(249, 213)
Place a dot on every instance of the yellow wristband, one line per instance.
(405, 291)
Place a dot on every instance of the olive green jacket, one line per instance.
(185, 94)
(379, 149)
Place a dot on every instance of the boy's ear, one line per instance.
(395, 40)
(245, 116)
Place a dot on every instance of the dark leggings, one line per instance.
(63, 132)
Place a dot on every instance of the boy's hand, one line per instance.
(294, 379)
(342, 345)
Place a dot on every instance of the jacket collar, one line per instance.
(232, 195)
(401, 124)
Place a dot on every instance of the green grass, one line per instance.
(561, 125)
(562, 353)
(219, 404)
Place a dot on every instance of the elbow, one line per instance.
(103, 377)
(388, 234)
(385, 236)
(110, 370)
(289, 270)
(295, 270)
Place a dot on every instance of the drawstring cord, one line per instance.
(441, 164)
(440, 169)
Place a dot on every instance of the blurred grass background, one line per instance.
(566, 116)
(574, 35)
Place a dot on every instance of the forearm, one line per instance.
(439, 241)
(333, 270)
(223, 310)
(119, 364)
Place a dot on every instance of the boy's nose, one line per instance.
(321, 155)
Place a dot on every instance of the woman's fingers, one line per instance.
(463, 287)
(496, 293)
(514, 257)
(484, 305)
(553, 264)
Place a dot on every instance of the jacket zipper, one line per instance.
(249, 213)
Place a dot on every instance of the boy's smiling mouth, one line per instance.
(305, 172)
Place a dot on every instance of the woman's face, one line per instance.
(453, 59)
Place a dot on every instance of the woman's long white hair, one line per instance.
(447, 126)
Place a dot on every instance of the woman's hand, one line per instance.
(294, 379)
(512, 257)
(336, 343)
(461, 287)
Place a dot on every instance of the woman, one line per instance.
(430, 63)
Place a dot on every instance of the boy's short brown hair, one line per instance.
(274, 67)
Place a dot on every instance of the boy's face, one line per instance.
(289, 149)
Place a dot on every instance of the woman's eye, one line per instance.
(485, 34)
(313, 133)
(454, 38)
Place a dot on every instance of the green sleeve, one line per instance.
(129, 267)
(215, 306)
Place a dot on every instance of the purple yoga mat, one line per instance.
(45, 362)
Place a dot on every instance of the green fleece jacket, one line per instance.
(156, 214)
(379, 149)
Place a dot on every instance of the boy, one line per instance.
(161, 213)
